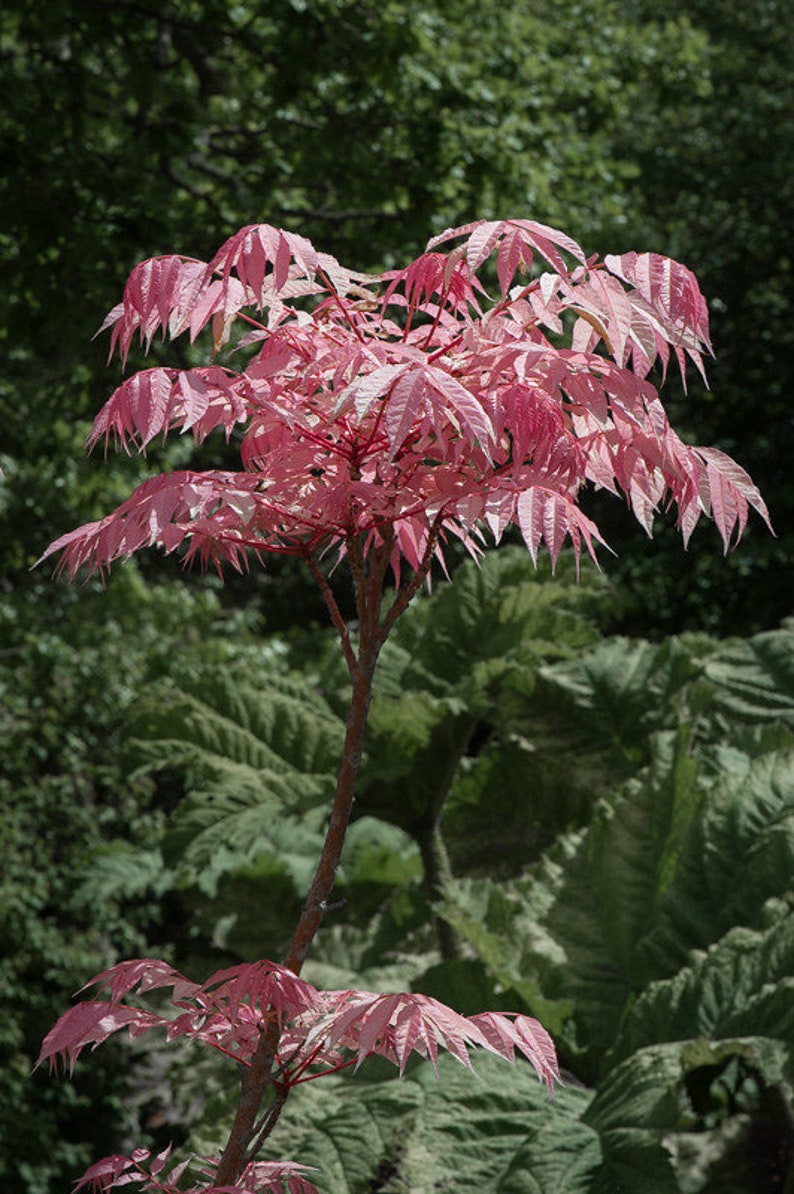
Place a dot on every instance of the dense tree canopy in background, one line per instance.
(128, 131)
(715, 186)
(136, 128)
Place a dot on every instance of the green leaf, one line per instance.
(228, 714)
(227, 826)
(624, 689)
(741, 985)
(378, 853)
(119, 871)
(495, 1131)
(504, 924)
(648, 1108)
(738, 854)
(754, 678)
(611, 909)
(258, 752)
(569, 930)
(451, 698)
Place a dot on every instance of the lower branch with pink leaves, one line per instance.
(318, 1033)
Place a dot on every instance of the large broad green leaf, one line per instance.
(754, 678)
(252, 908)
(258, 753)
(118, 870)
(667, 867)
(633, 1110)
(634, 841)
(668, 1119)
(569, 930)
(504, 924)
(450, 710)
(738, 853)
(470, 628)
(696, 842)
(743, 984)
(671, 1113)
(495, 1131)
(624, 689)
(221, 714)
(241, 813)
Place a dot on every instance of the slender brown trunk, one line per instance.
(322, 885)
(247, 1135)
(253, 1085)
(257, 1078)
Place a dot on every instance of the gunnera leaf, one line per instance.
(496, 1131)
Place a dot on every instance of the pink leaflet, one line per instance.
(505, 1033)
(269, 1177)
(394, 1026)
(103, 1175)
(730, 492)
(404, 406)
(547, 241)
(528, 234)
(511, 257)
(259, 1177)
(499, 512)
(544, 515)
(154, 401)
(474, 418)
(161, 510)
(482, 242)
(253, 248)
(265, 984)
(546, 304)
(147, 974)
(90, 1024)
(672, 292)
(604, 297)
(265, 1177)
(371, 387)
(155, 290)
(158, 1162)
(434, 277)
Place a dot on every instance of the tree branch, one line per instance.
(404, 596)
(258, 1078)
(336, 615)
(322, 885)
(253, 1084)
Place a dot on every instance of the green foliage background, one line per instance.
(639, 903)
(538, 798)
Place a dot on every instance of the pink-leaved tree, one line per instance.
(377, 416)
